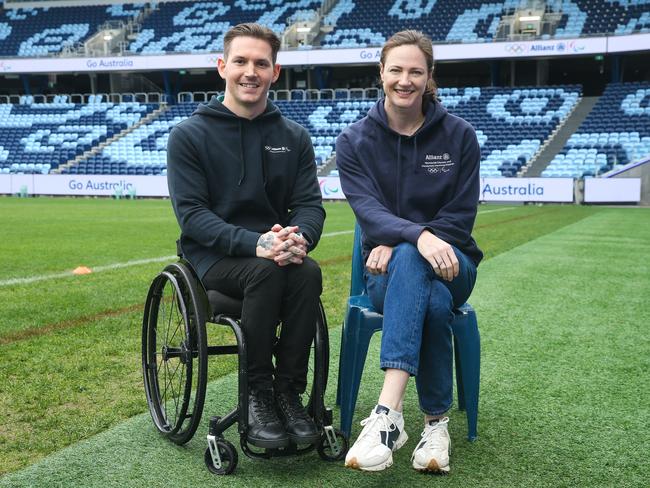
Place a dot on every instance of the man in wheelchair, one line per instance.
(243, 185)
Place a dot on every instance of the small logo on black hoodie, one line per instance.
(277, 150)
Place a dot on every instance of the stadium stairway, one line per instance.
(97, 149)
(328, 166)
(557, 141)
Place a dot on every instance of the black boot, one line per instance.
(297, 422)
(264, 427)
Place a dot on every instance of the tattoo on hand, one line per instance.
(265, 241)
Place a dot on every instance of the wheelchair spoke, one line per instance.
(168, 383)
(163, 308)
(170, 319)
(178, 398)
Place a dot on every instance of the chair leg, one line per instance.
(460, 389)
(341, 363)
(351, 369)
(468, 344)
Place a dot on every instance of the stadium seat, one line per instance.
(362, 321)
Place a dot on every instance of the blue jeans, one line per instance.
(418, 311)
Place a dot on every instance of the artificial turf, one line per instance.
(564, 358)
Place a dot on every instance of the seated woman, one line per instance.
(410, 171)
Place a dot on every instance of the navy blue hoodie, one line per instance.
(230, 179)
(400, 185)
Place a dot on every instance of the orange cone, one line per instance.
(82, 270)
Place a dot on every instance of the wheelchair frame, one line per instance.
(186, 308)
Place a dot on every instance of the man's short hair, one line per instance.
(257, 31)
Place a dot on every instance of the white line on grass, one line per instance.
(34, 279)
(496, 210)
(108, 267)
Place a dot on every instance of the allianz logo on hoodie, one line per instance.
(437, 163)
(277, 150)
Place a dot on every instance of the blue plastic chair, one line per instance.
(362, 321)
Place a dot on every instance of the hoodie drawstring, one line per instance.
(415, 154)
(264, 163)
(399, 174)
(242, 171)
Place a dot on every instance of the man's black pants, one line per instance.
(272, 294)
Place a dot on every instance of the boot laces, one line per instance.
(262, 403)
(291, 405)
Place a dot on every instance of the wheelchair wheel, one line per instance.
(174, 354)
(228, 455)
(333, 446)
(317, 373)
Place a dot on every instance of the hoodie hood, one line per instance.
(215, 108)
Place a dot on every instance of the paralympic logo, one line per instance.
(329, 189)
(5, 66)
(575, 47)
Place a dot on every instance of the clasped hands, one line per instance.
(438, 253)
(284, 245)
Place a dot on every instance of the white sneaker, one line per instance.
(383, 433)
(432, 453)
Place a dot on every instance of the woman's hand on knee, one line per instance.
(439, 254)
(378, 259)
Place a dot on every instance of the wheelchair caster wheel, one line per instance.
(225, 462)
(333, 445)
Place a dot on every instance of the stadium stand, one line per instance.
(33, 32)
(616, 132)
(38, 137)
(140, 152)
(511, 124)
(363, 24)
(200, 26)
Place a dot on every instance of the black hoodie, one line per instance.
(231, 179)
(399, 185)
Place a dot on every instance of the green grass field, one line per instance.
(561, 303)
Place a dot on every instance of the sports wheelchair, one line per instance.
(175, 354)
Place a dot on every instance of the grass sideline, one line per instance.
(95, 319)
(561, 374)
